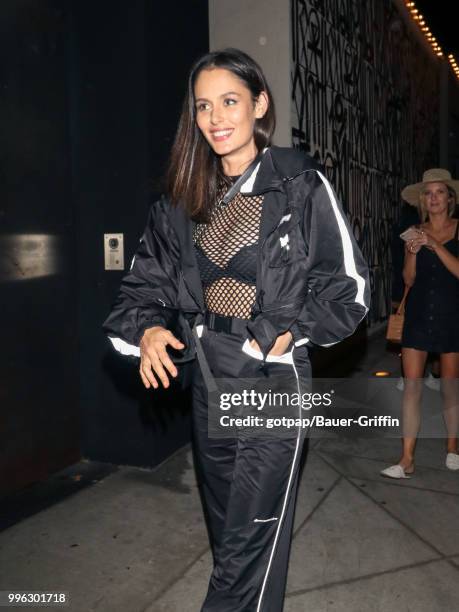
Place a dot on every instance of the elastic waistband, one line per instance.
(227, 325)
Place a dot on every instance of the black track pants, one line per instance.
(248, 486)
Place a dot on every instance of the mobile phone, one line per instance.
(410, 234)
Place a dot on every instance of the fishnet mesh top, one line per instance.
(226, 251)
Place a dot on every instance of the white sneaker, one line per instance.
(396, 471)
(432, 382)
(400, 384)
(452, 461)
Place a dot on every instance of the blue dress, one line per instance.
(432, 307)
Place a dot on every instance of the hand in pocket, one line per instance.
(280, 346)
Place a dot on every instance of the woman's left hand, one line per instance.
(427, 240)
(280, 346)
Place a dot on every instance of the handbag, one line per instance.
(396, 321)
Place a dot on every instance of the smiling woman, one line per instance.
(431, 271)
(252, 249)
(226, 114)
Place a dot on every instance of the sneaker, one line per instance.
(397, 471)
(432, 382)
(400, 384)
(452, 461)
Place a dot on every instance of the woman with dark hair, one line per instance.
(431, 271)
(247, 260)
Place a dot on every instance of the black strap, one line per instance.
(235, 187)
(228, 325)
(456, 238)
(204, 364)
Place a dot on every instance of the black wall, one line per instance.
(129, 67)
(91, 92)
(39, 412)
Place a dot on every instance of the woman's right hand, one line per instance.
(414, 246)
(154, 357)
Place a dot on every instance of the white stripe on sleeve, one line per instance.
(124, 348)
(349, 261)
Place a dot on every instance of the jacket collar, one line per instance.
(265, 177)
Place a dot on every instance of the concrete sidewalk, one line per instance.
(134, 540)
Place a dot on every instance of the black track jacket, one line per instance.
(311, 276)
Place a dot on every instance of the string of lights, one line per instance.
(454, 66)
(421, 22)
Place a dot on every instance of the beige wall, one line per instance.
(261, 28)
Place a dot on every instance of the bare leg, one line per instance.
(449, 386)
(414, 362)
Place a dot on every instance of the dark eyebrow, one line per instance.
(228, 93)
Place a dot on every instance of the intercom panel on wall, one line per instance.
(114, 251)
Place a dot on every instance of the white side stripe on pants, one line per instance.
(284, 505)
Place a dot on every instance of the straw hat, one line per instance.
(435, 175)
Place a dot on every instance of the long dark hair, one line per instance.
(194, 170)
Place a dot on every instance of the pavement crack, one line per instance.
(317, 506)
(395, 570)
(174, 581)
(391, 514)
